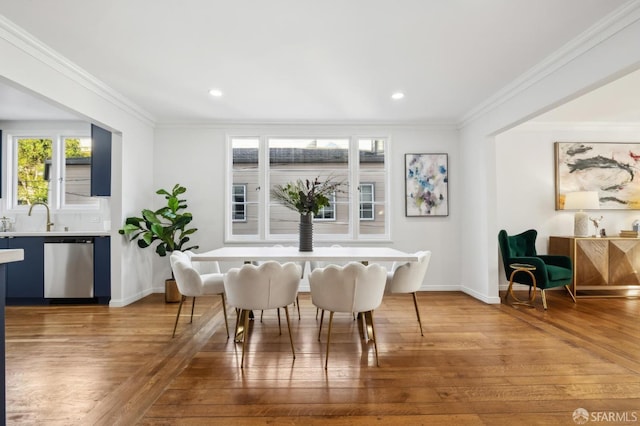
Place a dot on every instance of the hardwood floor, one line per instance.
(477, 364)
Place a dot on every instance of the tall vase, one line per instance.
(306, 232)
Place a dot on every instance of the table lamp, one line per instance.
(581, 200)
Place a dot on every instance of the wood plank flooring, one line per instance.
(477, 364)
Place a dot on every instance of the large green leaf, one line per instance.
(150, 216)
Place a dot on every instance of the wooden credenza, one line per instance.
(608, 266)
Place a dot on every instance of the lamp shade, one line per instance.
(582, 200)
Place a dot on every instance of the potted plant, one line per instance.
(307, 198)
(167, 227)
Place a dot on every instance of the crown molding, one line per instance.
(613, 23)
(590, 126)
(215, 124)
(33, 47)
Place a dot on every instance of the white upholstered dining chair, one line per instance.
(302, 264)
(270, 285)
(408, 277)
(191, 283)
(352, 288)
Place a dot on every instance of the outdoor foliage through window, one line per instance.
(33, 155)
(35, 160)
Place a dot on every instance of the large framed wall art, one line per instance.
(426, 185)
(611, 169)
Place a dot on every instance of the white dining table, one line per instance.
(248, 254)
(292, 254)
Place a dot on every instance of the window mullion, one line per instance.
(354, 182)
(263, 212)
(57, 177)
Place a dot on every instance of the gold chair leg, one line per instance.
(237, 321)
(321, 320)
(298, 305)
(241, 330)
(182, 299)
(326, 360)
(544, 299)
(373, 335)
(224, 310)
(286, 312)
(415, 303)
(532, 289)
(246, 337)
(571, 293)
(193, 305)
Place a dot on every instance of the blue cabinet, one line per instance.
(102, 269)
(25, 280)
(100, 162)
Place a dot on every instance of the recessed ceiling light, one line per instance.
(215, 92)
(397, 95)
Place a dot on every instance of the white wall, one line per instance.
(194, 156)
(526, 189)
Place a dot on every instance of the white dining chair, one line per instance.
(270, 285)
(315, 264)
(353, 288)
(408, 277)
(302, 264)
(193, 284)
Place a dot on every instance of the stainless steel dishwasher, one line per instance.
(68, 267)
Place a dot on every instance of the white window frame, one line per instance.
(55, 198)
(235, 203)
(263, 234)
(371, 202)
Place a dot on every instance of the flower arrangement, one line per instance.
(307, 196)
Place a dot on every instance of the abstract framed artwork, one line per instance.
(608, 168)
(426, 185)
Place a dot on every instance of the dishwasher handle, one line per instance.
(68, 240)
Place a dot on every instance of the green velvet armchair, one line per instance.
(550, 271)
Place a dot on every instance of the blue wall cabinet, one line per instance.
(102, 269)
(25, 280)
(100, 162)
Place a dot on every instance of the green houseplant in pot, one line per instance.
(166, 228)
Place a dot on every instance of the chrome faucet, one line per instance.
(49, 223)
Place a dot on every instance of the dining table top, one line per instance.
(292, 254)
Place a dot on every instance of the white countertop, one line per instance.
(11, 255)
(54, 234)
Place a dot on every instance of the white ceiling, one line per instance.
(303, 60)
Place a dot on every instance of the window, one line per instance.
(76, 178)
(328, 212)
(366, 201)
(33, 170)
(261, 162)
(238, 206)
(54, 169)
